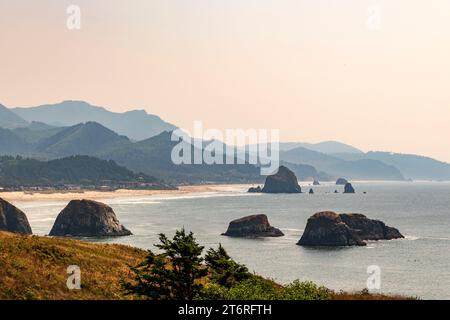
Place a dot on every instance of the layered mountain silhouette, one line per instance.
(10, 143)
(412, 166)
(151, 156)
(82, 139)
(71, 128)
(327, 147)
(365, 169)
(9, 119)
(36, 131)
(136, 124)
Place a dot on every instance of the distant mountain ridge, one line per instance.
(32, 132)
(412, 166)
(358, 169)
(136, 124)
(17, 172)
(9, 119)
(36, 131)
(327, 147)
(151, 156)
(11, 144)
(82, 139)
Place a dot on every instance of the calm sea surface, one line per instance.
(418, 265)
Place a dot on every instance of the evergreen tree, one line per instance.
(172, 275)
(224, 270)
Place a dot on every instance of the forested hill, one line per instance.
(18, 172)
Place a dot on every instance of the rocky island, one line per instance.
(341, 182)
(284, 181)
(331, 229)
(86, 218)
(13, 219)
(348, 188)
(252, 227)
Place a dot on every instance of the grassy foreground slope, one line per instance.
(34, 267)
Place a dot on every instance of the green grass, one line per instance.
(258, 288)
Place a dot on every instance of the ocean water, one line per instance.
(418, 265)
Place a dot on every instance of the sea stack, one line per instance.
(341, 182)
(349, 188)
(86, 218)
(13, 219)
(284, 181)
(316, 183)
(332, 229)
(252, 227)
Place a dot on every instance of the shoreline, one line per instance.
(62, 195)
(57, 195)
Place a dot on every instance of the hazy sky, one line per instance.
(315, 69)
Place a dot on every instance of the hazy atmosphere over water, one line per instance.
(313, 69)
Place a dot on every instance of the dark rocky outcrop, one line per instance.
(327, 229)
(331, 229)
(349, 188)
(311, 191)
(86, 218)
(252, 227)
(255, 189)
(13, 219)
(369, 229)
(284, 181)
(341, 182)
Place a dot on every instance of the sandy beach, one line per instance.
(96, 195)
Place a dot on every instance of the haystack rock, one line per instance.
(341, 182)
(349, 188)
(332, 229)
(13, 219)
(284, 181)
(252, 227)
(86, 218)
